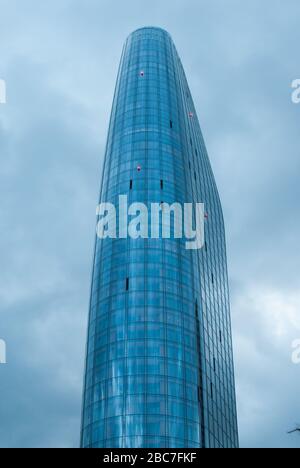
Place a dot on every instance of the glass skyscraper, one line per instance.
(159, 365)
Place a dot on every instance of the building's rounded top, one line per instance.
(150, 28)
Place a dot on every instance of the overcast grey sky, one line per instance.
(59, 59)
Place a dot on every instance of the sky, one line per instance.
(59, 60)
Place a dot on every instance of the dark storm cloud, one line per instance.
(59, 60)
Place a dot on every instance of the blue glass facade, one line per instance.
(159, 365)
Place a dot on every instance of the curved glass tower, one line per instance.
(159, 366)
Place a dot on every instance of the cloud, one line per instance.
(46, 219)
(266, 323)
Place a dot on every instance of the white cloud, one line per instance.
(266, 321)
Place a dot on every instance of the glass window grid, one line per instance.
(156, 94)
